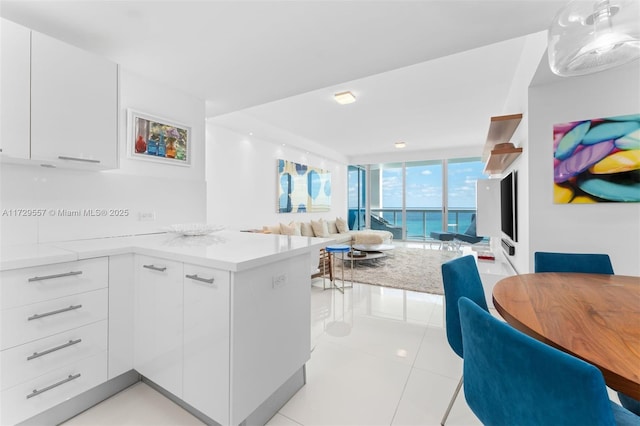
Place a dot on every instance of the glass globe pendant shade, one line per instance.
(587, 37)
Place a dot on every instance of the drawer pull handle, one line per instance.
(155, 268)
(57, 348)
(37, 392)
(50, 277)
(86, 160)
(59, 311)
(197, 278)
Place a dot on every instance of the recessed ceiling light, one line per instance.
(344, 98)
(400, 144)
(250, 133)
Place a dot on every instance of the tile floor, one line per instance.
(379, 357)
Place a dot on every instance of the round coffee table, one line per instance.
(373, 247)
(369, 251)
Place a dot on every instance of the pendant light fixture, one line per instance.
(587, 37)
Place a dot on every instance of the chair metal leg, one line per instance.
(453, 399)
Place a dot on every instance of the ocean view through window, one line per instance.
(422, 196)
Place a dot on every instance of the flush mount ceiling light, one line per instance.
(400, 145)
(587, 37)
(344, 98)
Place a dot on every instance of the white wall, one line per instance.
(612, 228)
(138, 186)
(242, 180)
(518, 102)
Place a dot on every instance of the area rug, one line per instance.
(404, 268)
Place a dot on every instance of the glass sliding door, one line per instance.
(462, 175)
(387, 197)
(423, 198)
(413, 199)
(356, 203)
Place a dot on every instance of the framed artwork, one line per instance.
(158, 139)
(597, 160)
(302, 188)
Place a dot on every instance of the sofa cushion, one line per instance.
(341, 224)
(290, 229)
(320, 228)
(306, 230)
(331, 227)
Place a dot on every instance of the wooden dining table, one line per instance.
(594, 317)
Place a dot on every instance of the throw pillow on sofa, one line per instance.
(306, 230)
(341, 224)
(290, 229)
(320, 228)
(332, 227)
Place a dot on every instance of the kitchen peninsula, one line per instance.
(220, 323)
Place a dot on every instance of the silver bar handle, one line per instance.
(155, 268)
(50, 277)
(59, 311)
(197, 278)
(37, 392)
(57, 348)
(85, 160)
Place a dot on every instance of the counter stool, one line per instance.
(332, 250)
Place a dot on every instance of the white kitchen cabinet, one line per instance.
(15, 87)
(270, 316)
(206, 341)
(158, 319)
(74, 105)
(121, 301)
(53, 335)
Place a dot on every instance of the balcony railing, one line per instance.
(421, 222)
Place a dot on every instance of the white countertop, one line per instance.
(227, 250)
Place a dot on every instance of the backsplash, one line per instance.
(42, 205)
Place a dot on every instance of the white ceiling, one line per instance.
(276, 64)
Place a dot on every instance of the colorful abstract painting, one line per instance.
(597, 160)
(302, 188)
(158, 139)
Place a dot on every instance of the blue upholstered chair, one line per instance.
(513, 379)
(572, 262)
(460, 278)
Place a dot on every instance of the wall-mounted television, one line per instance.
(509, 205)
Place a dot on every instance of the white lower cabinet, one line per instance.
(158, 319)
(206, 341)
(53, 322)
(33, 359)
(34, 396)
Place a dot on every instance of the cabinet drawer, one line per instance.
(27, 323)
(20, 402)
(26, 362)
(32, 285)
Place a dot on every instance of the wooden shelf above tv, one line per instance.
(499, 152)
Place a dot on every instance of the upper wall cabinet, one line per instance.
(74, 105)
(499, 152)
(59, 103)
(15, 89)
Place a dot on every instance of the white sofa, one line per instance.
(336, 230)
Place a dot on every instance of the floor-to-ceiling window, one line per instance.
(462, 175)
(413, 199)
(423, 198)
(356, 203)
